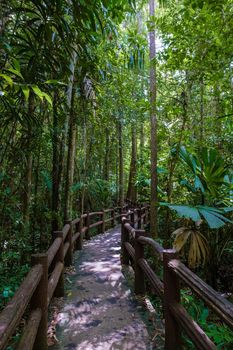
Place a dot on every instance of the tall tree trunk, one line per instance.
(107, 154)
(132, 190)
(202, 111)
(172, 163)
(56, 169)
(121, 165)
(68, 134)
(142, 140)
(153, 119)
(70, 161)
(28, 168)
(117, 170)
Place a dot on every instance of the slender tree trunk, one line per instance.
(202, 111)
(121, 165)
(70, 161)
(173, 163)
(66, 136)
(56, 173)
(107, 154)
(117, 170)
(132, 190)
(28, 168)
(153, 118)
(142, 140)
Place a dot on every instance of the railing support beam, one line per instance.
(69, 255)
(139, 285)
(124, 238)
(171, 296)
(39, 300)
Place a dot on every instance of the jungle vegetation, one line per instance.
(107, 101)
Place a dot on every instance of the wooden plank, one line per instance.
(130, 229)
(98, 223)
(66, 247)
(95, 213)
(109, 210)
(75, 237)
(173, 338)
(192, 329)
(30, 331)
(65, 231)
(68, 256)
(130, 250)
(53, 249)
(108, 220)
(76, 221)
(53, 280)
(158, 249)
(222, 307)
(152, 278)
(14, 310)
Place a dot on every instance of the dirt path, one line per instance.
(100, 312)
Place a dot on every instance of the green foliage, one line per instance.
(214, 217)
(208, 170)
(220, 334)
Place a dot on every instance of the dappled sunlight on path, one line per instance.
(100, 311)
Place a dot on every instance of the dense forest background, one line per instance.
(76, 121)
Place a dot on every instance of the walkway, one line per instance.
(100, 311)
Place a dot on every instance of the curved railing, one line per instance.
(177, 319)
(46, 279)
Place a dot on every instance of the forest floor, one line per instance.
(100, 310)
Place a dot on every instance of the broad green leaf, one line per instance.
(227, 209)
(48, 98)
(38, 91)
(16, 64)
(16, 72)
(186, 211)
(7, 78)
(54, 82)
(26, 92)
(198, 184)
(212, 220)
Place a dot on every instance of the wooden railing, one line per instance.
(176, 317)
(46, 279)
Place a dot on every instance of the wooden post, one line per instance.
(132, 218)
(113, 217)
(139, 284)
(79, 241)
(124, 238)
(69, 254)
(39, 300)
(103, 221)
(171, 295)
(59, 291)
(120, 212)
(87, 224)
(139, 218)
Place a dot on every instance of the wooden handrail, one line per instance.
(37, 289)
(176, 317)
(53, 249)
(222, 307)
(158, 249)
(13, 312)
(36, 286)
(65, 230)
(191, 328)
(30, 330)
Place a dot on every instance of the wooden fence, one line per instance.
(175, 273)
(46, 279)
